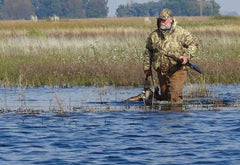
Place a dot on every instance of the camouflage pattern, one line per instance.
(165, 14)
(176, 42)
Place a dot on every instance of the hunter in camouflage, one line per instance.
(169, 39)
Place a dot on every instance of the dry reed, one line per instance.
(108, 51)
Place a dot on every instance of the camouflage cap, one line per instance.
(165, 14)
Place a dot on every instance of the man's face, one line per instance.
(166, 24)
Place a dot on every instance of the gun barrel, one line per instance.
(195, 67)
(191, 65)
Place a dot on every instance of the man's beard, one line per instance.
(166, 26)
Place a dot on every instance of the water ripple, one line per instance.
(135, 136)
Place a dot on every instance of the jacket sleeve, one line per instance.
(189, 44)
(147, 57)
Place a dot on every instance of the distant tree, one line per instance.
(36, 4)
(73, 9)
(96, 8)
(124, 11)
(210, 8)
(174, 5)
(1, 4)
(140, 9)
(15, 9)
(188, 8)
(154, 8)
(179, 7)
(23, 9)
(46, 8)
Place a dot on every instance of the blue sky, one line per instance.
(226, 5)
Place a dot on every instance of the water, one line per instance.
(97, 128)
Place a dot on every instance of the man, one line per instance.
(169, 40)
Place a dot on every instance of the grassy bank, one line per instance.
(108, 51)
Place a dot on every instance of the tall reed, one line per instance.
(108, 51)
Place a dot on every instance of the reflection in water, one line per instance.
(172, 107)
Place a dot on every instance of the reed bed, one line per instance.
(108, 51)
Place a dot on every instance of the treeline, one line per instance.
(179, 7)
(23, 9)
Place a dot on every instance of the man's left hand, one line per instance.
(183, 59)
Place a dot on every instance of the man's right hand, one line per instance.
(148, 72)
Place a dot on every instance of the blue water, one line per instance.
(116, 133)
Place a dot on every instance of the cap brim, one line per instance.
(163, 18)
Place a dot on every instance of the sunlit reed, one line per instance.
(108, 51)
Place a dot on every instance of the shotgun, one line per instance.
(191, 65)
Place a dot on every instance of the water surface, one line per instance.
(97, 128)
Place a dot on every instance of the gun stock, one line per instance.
(191, 65)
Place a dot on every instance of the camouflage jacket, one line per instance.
(176, 42)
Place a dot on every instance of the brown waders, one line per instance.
(172, 85)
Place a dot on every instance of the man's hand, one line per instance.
(148, 72)
(183, 59)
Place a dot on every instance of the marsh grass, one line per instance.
(108, 51)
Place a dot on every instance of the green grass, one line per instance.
(108, 51)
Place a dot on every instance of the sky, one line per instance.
(226, 5)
